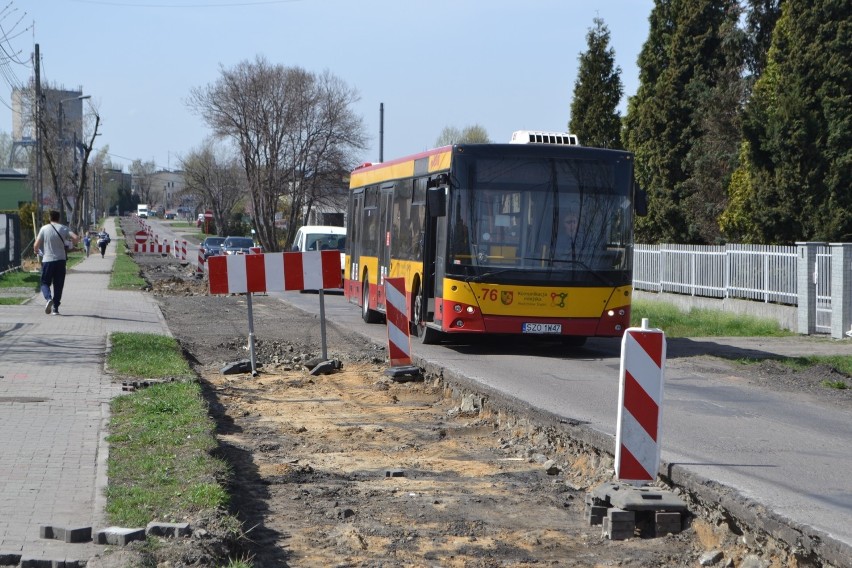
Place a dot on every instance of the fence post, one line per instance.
(806, 286)
(841, 289)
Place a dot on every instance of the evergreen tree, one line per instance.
(760, 21)
(597, 92)
(798, 129)
(685, 64)
(713, 156)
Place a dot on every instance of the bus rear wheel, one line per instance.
(368, 315)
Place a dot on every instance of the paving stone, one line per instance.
(169, 530)
(10, 558)
(119, 536)
(595, 514)
(621, 530)
(66, 534)
(667, 522)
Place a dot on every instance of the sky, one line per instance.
(500, 64)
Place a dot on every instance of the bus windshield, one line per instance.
(558, 216)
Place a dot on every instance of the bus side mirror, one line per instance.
(640, 202)
(436, 201)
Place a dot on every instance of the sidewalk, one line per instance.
(54, 408)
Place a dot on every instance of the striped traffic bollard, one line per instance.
(399, 339)
(200, 268)
(640, 397)
(399, 335)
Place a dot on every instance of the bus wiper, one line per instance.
(479, 277)
(585, 266)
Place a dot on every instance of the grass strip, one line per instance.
(125, 272)
(161, 438)
(147, 355)
(20, 279)
(699, 322)
(160, 465)
(840, 363)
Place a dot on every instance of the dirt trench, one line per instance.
(355, 469)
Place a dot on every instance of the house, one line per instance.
(14, 189)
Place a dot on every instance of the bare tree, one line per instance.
(474, 134)
(293, 130)
(216, 177)
(143, 173)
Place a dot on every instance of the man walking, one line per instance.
(53, 242)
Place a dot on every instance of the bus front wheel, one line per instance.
(425, 334)
(573, 341)
(368, 315)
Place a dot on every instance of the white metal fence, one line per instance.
(822, 278)
(754, 272)
(761, 273)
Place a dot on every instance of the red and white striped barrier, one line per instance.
(274, 272)
(396, 314)
(180, 249)
(147, 248)
(201, 260)
(640, 397)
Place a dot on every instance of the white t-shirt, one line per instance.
(51, 243)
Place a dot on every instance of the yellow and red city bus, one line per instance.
(477, 232)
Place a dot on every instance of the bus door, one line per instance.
(355, 245)
(434, 252)
(385, 232)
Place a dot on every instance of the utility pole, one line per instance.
(39, 190)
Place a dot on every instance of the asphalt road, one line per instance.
(782, 451)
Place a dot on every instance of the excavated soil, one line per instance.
(352, 468)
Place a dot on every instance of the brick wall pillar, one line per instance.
(841, 289)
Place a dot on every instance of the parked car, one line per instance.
(237, 245)
(212, 246)
(321, 237)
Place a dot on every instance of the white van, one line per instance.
(321, 237)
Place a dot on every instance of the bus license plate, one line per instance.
(542, 328)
